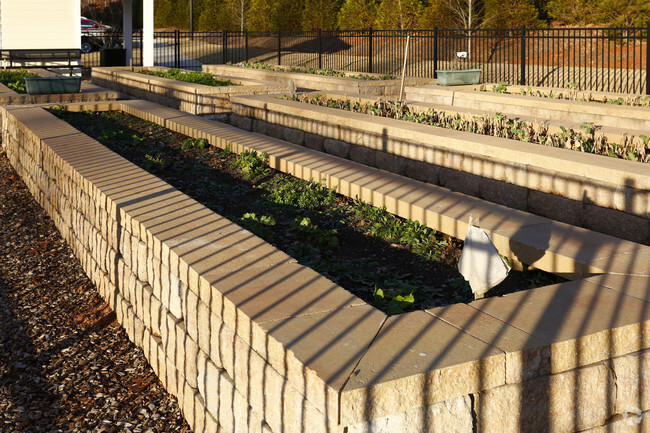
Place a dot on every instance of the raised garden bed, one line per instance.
(257, 340)
(570, 93)
(582, 140)
(194, 98)
(395, 264)
(352, 83)
(625, 117)
(572, 187)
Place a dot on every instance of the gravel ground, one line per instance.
(65, 363)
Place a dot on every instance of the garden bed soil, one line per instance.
(360, 262)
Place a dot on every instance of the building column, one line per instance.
(147, 32)
(127, 25)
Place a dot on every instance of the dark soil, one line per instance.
(360, 262)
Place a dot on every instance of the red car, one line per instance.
(95, 36)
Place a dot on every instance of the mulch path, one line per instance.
(65, 363)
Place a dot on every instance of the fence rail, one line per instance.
(597, 59)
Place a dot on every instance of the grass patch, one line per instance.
(395, 264)
(191, 77)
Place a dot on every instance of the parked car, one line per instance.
(95, 36)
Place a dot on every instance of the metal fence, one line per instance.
(597, 59)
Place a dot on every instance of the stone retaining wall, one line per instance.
(625, 117)
(250, 341)
(320, 82)
(607, 195)
(189, 97)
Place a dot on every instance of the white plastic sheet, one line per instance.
(480, 263)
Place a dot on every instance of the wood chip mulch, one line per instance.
(65, 363)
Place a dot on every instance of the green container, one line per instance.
(49, 85)
(459, 78)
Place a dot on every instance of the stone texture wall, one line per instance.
(171, 269)
(494, 169)
(187, 97)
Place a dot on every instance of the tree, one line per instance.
(509, 14)
(239, 10)
(623, 13)
(439, 14)
(357, 14)
(319, 14)
(260, 15)
(398, 14)
(287, 14)
(573, 12)
(213, 16)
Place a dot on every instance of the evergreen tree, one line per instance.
(439, 14)
(260, 15)
(319, 14)
(287, 14)
(573, 12)
(398, 14)
(357, 14)
(509, 14)
(213, 16)
(623, 13)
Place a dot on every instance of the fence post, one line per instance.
(370, 50)
(177, 43)
(224, 46)
(522, 78)
(435, 51)
(647, 59)
(279, 46)
(246, 44)
(320, 49)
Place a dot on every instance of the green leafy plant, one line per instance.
(299, 193)
(191, 77)
(257, 224)
(199, 143)
(316, 236)
(154, 163)
(252, 163)
(15, 80)
(501, 88)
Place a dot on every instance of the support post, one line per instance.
(224, 46)
(647, 59)
(279, 46)
(147, 33)
(370, 50)
(127, 25)
(522, 77)
(320, 49)
(435, 51)
(246, 44)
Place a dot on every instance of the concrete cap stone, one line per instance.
(416, 360)
(582, 321)
(526, 355)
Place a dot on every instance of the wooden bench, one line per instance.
(46, 58)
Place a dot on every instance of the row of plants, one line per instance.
(392, 263)
(325, 72)
(584, 140)
(573, 94)
(15, 80)
(191, 77)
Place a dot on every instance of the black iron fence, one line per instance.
(597, 59)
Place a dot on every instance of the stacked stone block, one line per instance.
(606, 195)
(250, 341)
(187, 97)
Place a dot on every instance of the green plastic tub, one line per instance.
(459, 78)
(49, 85)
